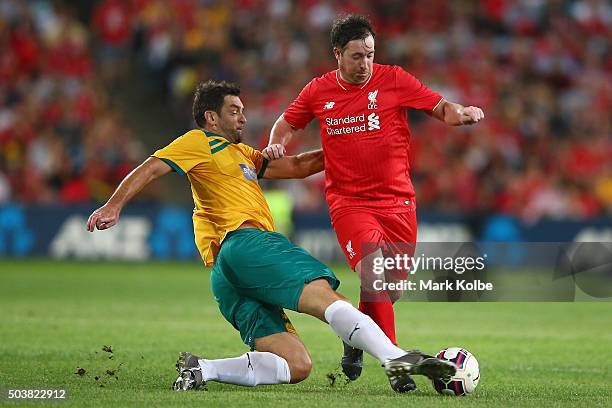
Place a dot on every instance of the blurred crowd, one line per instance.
(540, 69)
(61, 141)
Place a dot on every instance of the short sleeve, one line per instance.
(299, 114)
(260, 162)
(413, 94)
(186, 152)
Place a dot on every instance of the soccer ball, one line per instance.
(466, 379)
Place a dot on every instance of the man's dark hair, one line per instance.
(209, 96)
(349, 28)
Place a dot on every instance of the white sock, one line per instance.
(249, 369)
(359, 330)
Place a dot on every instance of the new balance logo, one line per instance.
(373, 121)
(329, 105)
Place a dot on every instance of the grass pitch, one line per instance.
(55, 318)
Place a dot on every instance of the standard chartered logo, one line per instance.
(352, 124)
(373, 121)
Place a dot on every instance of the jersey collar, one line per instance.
(347, 87)
(211, 134)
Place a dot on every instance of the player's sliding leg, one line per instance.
(352, 326)
(257, 273)
(280, 358)
(359, 331)
(249, 369)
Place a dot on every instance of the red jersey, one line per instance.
(364, 135)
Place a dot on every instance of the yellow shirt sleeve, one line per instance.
(256, 157)
(186, 152)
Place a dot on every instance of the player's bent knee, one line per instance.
(300, 367)
(289, 347)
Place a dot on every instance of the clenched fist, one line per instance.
(471, 115)
(274, 151)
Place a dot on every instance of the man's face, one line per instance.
(356, 59)
(232, 121)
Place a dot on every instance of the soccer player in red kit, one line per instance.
(362, 112)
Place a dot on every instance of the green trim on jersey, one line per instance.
(174, 166)
(264, 166)
(220, 147)
(214, 142)
(211, 134)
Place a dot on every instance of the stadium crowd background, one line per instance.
(541, 70)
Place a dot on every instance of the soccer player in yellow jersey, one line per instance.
(256, 272)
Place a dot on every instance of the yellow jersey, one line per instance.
(223, 177)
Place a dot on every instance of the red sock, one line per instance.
(382, 313)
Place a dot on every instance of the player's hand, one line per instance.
(471, 115)
(274, 151)
(103, 218)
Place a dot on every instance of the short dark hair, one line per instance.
(348, 28)
(209, 96)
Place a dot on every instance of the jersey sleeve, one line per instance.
(413, 94)
(260, 162)
(185, 152)
(299, 113)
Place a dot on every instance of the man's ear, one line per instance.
(337, 53)
(211, 117)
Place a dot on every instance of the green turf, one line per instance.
(56, 316)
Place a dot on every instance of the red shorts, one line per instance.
(364, 230)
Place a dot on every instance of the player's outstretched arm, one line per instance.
(281, 134)
(300, 166)
(455, 114)
(108, 215)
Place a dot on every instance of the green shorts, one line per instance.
(256, 275)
